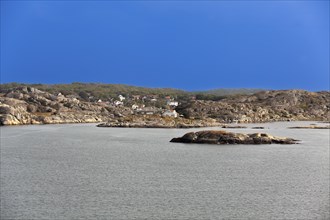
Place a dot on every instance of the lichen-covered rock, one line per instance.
(224, 137)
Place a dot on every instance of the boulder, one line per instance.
(31, 108)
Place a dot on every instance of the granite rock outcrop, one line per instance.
(28, 105)
(265, 106)
(224, 137)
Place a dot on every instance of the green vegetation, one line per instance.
(226, 92)
(212, 97)
(95, 91)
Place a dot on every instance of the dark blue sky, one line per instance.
(191, 45)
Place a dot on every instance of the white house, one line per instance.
(121, 98)
(172, 103)
(135, 106)
(170, 113)
(118, 103)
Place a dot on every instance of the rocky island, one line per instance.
(224, 137)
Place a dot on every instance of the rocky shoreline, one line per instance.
(224, 137)
(27, 105)
(158, 122)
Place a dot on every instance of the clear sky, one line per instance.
(192, 45)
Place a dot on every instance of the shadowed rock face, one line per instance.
(224, 137)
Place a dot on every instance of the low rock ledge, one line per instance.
(310, 127)
(224, 137)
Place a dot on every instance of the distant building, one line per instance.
(121, 98)
(172, 103)
(170, 113)
(117, 103)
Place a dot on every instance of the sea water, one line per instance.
(80, 171)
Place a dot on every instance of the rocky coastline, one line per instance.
(27, 105)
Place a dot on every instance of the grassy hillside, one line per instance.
(97, 90)
(108, 91)
(225, 92)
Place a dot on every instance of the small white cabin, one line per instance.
(170, 113)
(117, 103)
(121, 98)
(173, 103)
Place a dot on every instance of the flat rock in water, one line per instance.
(224, 137)
(233, 126)
(310, 127)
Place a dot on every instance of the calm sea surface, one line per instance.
(83, 172)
